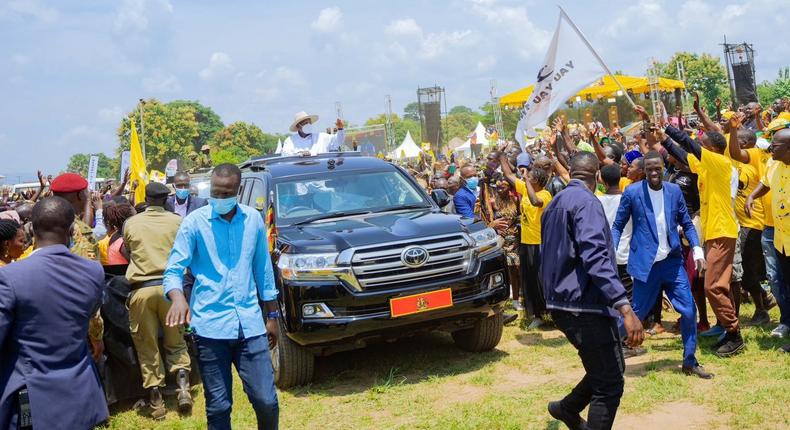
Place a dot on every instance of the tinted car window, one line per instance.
(301, 198)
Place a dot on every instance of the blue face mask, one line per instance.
(222, 206)
(182, 193)
(472, 183)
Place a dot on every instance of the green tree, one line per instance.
(460, 109)
(239, 141)
(170, 133)
(704, 74)
(767, 91)
(412, 112)
(460, 124)
(208, 121)
(78, 163)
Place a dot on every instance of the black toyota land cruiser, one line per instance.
(362, 253)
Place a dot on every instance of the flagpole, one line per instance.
(597, 57)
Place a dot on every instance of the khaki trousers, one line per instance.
(147, 311)
(719, 254)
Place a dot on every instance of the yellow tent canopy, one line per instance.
(604, 87)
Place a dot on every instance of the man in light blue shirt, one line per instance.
(225, 247)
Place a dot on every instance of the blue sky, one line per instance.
(70, 69)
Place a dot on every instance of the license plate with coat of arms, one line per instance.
(423, 302)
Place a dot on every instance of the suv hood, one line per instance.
(344, 233)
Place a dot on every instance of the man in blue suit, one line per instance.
(47, 377)
(182, 203)
(656, 209)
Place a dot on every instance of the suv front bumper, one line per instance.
(363, 316)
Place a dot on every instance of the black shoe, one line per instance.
(722, 340)
(733, 344)
(157, 404)
(697, 371)
(760, 318)
(508, 318)
(184, 396)
(573, 421)
(785, 348)
(629, 352)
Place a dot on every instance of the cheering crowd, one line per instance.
(598, 226)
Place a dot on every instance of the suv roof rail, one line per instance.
(276, 158)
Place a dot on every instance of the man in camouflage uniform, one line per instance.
(74, 188)
(202, 159)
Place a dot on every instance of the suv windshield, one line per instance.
(302, 199)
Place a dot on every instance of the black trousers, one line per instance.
(627, 280)
(753, 263)
(784, 266)
(597, 339)
(530, 278)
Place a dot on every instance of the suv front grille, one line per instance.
(380, 267)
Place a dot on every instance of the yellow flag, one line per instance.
(137, 165)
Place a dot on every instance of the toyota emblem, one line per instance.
(414, 256)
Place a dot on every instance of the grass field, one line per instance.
(425, 382)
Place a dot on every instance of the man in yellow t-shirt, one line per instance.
(749, 253)
(777, 180)
(720, 228)
(534, 199)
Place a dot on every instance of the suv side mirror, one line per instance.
(440, 197)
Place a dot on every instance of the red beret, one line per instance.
(68, 183)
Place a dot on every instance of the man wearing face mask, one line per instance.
(183, 203)
(465, 197)
(224, 245)
(304, 141)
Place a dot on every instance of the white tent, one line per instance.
(465, 149)
(407, 149)
(480, 131)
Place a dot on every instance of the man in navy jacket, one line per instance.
(182, 203)
(585, 296)
(656, 209)
(46, 302)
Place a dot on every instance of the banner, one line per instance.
(93, 166)
(569, 66)
(125, 163)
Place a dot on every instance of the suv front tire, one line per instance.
(293, 364)
(481, 337)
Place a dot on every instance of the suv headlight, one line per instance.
(308, 266)
(485, 241)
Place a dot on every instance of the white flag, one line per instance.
(569, 66)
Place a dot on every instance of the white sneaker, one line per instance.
(780, 331)
(517, 305)
(537, 322)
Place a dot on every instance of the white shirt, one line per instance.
(657, 200)
(316, 143)
(610, 204)
(180, 209)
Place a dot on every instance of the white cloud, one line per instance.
(328, 20)
(20, 59)
(29, 8)
(219, 64)
(528, 40)
(436, 44)
(111, 114)
(161, 82)
(134, 14)
(486, 63)
(403, 27)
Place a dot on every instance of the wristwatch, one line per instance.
(273, 315)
